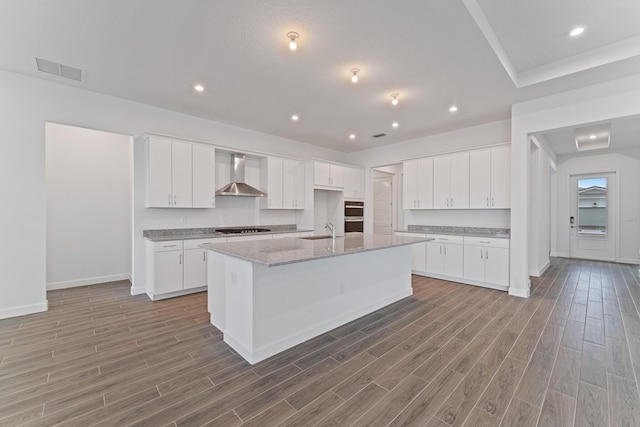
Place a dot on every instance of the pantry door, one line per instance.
(592, 219)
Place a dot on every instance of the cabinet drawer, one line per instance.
(486, 241)
(446, 238)
(195, 243)
(169, 245)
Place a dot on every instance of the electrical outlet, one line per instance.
(183, 220)
(234, 278)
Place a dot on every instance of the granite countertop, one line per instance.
(271, 253)
(162, 235)
(499, 233)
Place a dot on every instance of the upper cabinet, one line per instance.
(204, 176)
(353, 183)
(181, 174)
(328, 175)
(451, 181)
(170, 174)
(490, 178)
(417, 183)
(283, 180)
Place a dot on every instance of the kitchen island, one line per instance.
(270, 295)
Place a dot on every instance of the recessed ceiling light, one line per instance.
(453, 109)
(352, 136)
(576, 31)
(354, 74)
(395, 124)
(199, 88)
(394, 98)
(293, 36)
(295, 117)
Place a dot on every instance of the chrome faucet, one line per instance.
(331, 228)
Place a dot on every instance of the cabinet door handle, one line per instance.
(174, 200)
(169, 246)
(486, 254)
(445, 249)
(493, 202)
(440, 249)
(418, 202)
(487, 201)
(204, 255)
(481, 255)
(169, 199)
(180, 258)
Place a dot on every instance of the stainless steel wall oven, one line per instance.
(353, 217)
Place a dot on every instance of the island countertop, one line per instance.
(271, 253)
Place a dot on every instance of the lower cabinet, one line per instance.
(472, 260)
(445, 255)
(176, 267)
(486, 260)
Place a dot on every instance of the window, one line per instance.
(592, 207)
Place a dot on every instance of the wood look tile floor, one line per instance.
(450, 355)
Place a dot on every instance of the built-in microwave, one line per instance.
(353, 217)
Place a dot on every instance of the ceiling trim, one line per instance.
(481, 21)
(613, 52)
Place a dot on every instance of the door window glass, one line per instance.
(592, 207)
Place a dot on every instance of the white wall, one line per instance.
(606, 101)
(89, 189)
(627, 166)
(26, 104)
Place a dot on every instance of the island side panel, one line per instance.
(296, 302)
(216, 289)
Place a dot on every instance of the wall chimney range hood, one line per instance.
(237, 186)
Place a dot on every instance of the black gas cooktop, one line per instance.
(241, 230)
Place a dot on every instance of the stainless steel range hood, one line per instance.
(237, 186)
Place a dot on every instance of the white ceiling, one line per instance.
(624, 134)
(434, 53)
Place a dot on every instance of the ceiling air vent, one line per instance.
(378, 135)
(61, 70)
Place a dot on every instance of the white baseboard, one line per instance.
(559, 254)
(628, 261)
(138, 290)
(88, 281)
(22, 310)
(522, 293)
(540, 272)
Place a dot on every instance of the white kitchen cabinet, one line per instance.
(501, 178)
(445, 256)
(353, 183)
(490, 178)
(328, 175)
(451, 181)
(204, 176)
(271, 173)
(417, 183)
(293, 184)
(486, 260)
(418, 253)
(195, 262)
(284, 183)
(170, 173)
(165, 268)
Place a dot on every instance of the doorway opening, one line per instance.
(89, 185)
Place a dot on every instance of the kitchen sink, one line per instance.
(315, 237)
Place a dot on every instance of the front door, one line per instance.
(592, 216)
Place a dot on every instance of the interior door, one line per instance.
(592, 220)
(382, 207)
